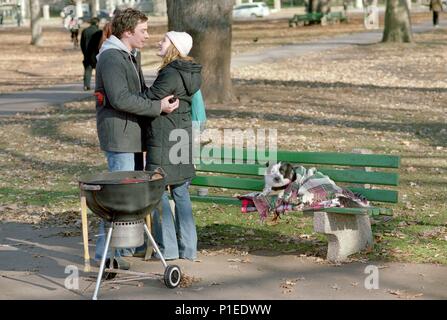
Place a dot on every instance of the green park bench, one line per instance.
(336, 17)
(305, 19)
(348, 229)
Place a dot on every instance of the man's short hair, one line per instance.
(127, 20)
(94, 21)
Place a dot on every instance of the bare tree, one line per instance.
(36, 27)
(209, 22)
(159, 7)
(322, 6)
(397, 22)
(94, 5)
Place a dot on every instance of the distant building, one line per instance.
(10, 8)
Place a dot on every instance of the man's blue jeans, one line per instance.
(176, 238)
(117, 161)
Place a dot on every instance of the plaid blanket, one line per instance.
(312, 190)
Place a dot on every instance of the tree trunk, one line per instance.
(36, 27)
(314, 6)
(94, 4)
(324, 6)
(159, 7)
(397, 22)
(209, 24)
(277, 5)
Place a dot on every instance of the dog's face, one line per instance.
(279, 175)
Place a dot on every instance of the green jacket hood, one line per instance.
(190, 73)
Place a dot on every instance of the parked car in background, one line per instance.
(251, 10)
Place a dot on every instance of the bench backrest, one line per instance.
(343, 168)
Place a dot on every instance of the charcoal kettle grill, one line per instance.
(123, 199)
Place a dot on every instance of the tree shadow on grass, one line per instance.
(38, 196)
(417, 127)
(71, 168)
(49, 128)
(330, 85)
(256, 241)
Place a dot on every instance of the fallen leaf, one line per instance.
(335, 287)
(187, 280)
(404, 295)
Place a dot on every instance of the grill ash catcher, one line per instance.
(124, 199)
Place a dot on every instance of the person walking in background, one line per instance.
(87, 46)
(181, 76)
(73, 27)
(120, 104)
(436, 7)
(19, 16)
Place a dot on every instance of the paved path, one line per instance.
(27, 101)
(35, 264)
(293, 50)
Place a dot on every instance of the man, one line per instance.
(89, 45)
(120, 106)
(436, 7)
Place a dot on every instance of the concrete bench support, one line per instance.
(347, 233)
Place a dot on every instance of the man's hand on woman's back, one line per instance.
(167, 107)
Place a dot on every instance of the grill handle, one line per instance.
(90, 187)
(158, 170)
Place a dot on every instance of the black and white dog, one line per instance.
(278, 176)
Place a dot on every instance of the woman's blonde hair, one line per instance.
(106, 33)
(172, 54)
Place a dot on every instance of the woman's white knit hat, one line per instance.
(181, 40)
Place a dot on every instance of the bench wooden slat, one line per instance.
(345, 159)
(216, 199)
(372, 211)
(258, 184)
(381, 195)
(229, 182)
(362, 177)
(243, 169)
(329, 158)
(350, 176)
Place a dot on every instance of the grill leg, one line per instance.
(85, 233)
(103, 262)
(154, 244)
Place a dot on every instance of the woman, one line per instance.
(178, 75)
